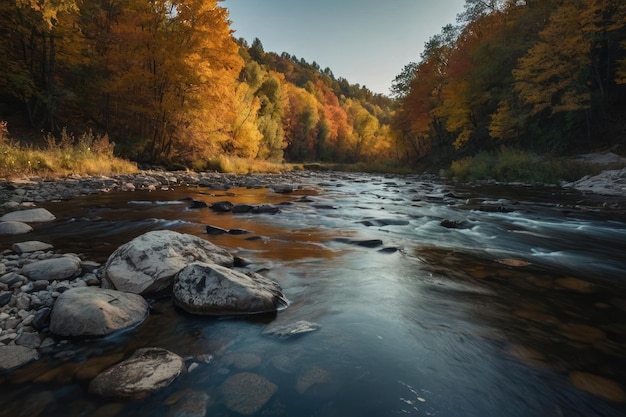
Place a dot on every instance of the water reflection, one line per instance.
(517, 313)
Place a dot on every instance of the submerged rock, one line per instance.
(146, 371)
(96, 312)
(598, 386)
(148, 263)
(311, 376)
(245, 393)
(291, 329)
(209, 289)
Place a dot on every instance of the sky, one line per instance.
(364, 41)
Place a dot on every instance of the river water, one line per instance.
(478, 301)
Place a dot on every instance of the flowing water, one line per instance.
(480, 301)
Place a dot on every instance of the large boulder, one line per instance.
(55, 269)
(209, 289)
(96, 312)
(148, 263)
(14, 228)
(35, 215)
(146, 371)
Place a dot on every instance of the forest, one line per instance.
(168, 82)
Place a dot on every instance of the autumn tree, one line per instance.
(39, 49)
(172, 70)
(560, 74)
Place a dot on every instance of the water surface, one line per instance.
(493, 312)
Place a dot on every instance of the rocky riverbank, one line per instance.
(48, 298)
(35, 189)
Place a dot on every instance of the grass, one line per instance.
(235, 165)
(87, 154)
(369, 167)
(518, 165)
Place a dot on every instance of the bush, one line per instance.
(518, 165)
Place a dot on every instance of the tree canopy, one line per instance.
(542, 75)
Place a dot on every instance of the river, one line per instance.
(477, 301)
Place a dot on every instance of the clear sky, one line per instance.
(364, 41)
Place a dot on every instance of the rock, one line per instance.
(36, 215)
(197, 204)
(242, 208)
(214, 230)
(245, 393)
(311, 376)
(28, 339)
(42, 318)
(56, 269)
(146, 371)
(598, 386)
(575, 285)
(265, 209)
(209, 289)
(222, 206)
(291, 329)
(5, 298)
(190, 404)
(14, 228)
(14, 356)
(95, 312)
(453, 224)
(385, 222)
(241, 361)
(282, 188)
(30, 246)
(148, 263)
(238, 231)
(371, 243)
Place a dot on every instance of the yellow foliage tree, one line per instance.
(173, 67)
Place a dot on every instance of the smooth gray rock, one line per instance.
(148, 263)
(36, 215)
(96, 312)
(14, 228)
(209, 289)
(55, 269)
(30, 246)
(14, 356)
(145, 372)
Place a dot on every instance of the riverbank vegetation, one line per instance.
(170, 84)
(89, 154)
(542, 77)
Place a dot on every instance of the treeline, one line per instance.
(299, 107)
(548, 76)
(167, 81)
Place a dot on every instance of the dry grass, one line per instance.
(88, 154)
(234, 165)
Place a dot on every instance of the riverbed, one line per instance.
(431, 299)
